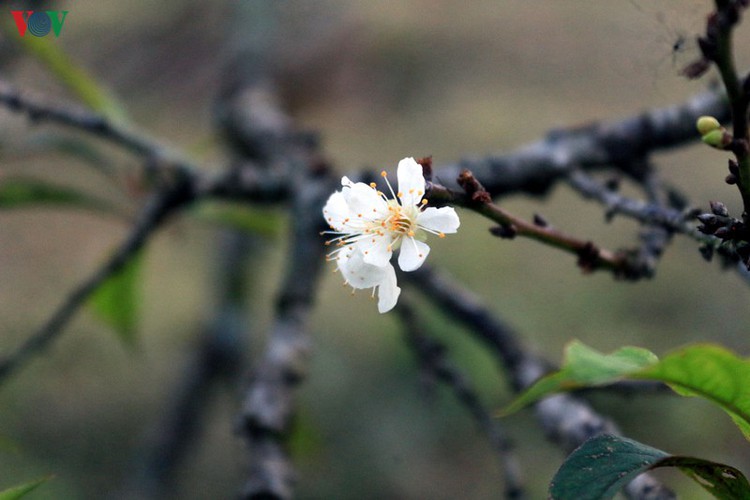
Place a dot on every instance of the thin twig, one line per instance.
(642, 211)
(217, 357)
(476, 198)
(717, 45)
(40, 110)
(153, 214)
(431, 356)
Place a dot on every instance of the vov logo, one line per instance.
(39, 23)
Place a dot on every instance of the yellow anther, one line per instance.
(441, 235)
(400, 194)
(410, 234)
(383, 174)
(373, 185)
(424, 201)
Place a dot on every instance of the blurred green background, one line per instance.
(380, 80)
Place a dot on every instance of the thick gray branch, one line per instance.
(266, 418)
(538, 166)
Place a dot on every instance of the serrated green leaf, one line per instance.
(711, 372)
(601, 466)
(236, 216)
(117, 300)
(585, 367)
(19, 192)
(20, 491)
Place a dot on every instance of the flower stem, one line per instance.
(590, 257)
(720, 31)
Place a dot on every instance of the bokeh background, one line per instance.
(380, 81)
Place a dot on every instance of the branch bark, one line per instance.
(268, 409)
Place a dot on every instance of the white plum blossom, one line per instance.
(359, 274)
(369, 227)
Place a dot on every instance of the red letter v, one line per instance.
(20, 21)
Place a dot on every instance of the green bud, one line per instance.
(706, 124)
(716, 138)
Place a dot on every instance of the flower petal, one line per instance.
(442, 220)
(412, 255)
(410, 181)
(376, 249)
(363, 201)
(388, 291)
(336, 211)
(356, 272)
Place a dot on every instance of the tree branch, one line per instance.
(431, 356)
(566, 419)
(217, 356)
(76, 117)
(161, 204)
(266, 418)
(716, 45)
(623, 144)
(590, 257)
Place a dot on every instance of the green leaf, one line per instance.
(711, 372)
(77, 79)
(236, 216)
(117, 300)
(722, 481)
(601, 466)
(584, 367)
(705, 370)
(48, 52)
(22, 192)
(21, 490)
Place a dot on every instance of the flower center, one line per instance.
(401, 220)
